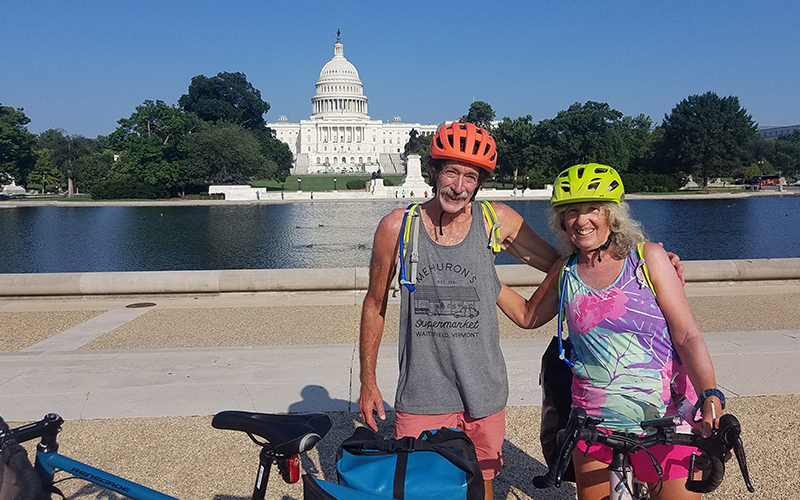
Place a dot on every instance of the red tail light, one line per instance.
(290, 468)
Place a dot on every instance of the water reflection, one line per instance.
(320, 235)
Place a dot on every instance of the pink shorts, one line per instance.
(487, 434)
(674, 459)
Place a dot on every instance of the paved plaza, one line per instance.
(137, 385)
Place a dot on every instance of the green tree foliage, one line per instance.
(708, 136)
(45, 172)
(649, 182)
(226, 97)
(17, 157)
(517, 154)
(66, 150)
(275, 151)
(786, 155)
(149, 147)
(229, 97)
(92, 169)
(639, 140)
(592, 132)
(158, 123)
(226, 153)
(481, 114)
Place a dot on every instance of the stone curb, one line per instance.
(304, 280)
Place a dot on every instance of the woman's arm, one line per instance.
(540, 308)
(686, 336)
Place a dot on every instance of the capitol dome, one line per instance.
(339, 91)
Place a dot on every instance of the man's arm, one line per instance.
(540, 308)
(373, 314)
(521, 242)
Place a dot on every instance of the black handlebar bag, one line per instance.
(439, 464)
(18, 479)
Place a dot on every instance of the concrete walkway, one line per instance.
(87, 384)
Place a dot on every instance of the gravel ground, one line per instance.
(186, 458)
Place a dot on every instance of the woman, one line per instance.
(633, 357)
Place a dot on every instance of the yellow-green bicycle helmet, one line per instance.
(590, 182)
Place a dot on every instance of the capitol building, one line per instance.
(340, 136)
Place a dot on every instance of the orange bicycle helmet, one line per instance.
(466, 143)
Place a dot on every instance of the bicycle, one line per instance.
(622, 485)
(285, 438)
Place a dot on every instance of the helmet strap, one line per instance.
(602, 247)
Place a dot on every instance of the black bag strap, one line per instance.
(399, 482)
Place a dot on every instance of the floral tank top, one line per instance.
(626, 368)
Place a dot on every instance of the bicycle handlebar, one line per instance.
(583, 427)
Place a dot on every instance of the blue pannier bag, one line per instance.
(439, 464)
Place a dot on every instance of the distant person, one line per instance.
(633, 357)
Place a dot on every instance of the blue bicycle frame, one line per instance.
(47, 462)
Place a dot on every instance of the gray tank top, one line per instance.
(449, 346)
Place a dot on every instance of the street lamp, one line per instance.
(299, 184)
(334, 185)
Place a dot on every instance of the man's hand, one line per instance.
(371, 402)
(676, 263)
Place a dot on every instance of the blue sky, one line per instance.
(82, 65)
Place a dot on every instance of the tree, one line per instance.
(639, 141)
(229, 97)
(157, 122)
(226, 97)
(592, 132)
(44, 171)
(707, 136)
(276, 151)
(65, 151)
(149, 143)
(480, 113)
(17, 157)
(223, 153)
(786, 155)
(92, 169)
(516, 152)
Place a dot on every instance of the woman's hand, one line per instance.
(675, 260)
(710, 413)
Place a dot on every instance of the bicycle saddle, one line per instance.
(286, 434)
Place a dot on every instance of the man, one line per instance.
(452, 372)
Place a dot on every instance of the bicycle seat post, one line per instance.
(265, 460)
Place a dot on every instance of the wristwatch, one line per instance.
(701, 398)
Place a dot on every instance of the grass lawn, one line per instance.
(319, 182)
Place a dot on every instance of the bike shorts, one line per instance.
(674, 459)
(487, 434)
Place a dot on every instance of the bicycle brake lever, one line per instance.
(738, 450)
(577, 421)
